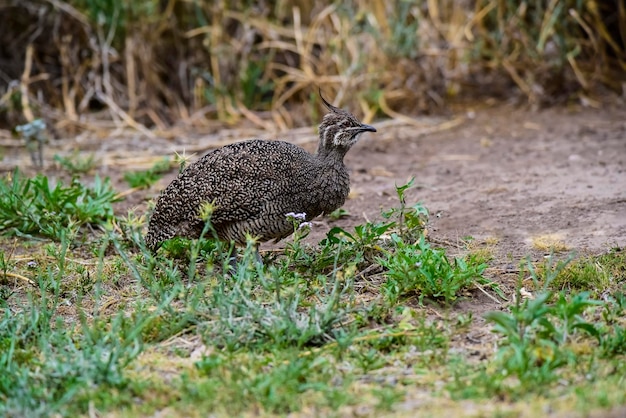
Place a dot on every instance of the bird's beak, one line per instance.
(367, 128)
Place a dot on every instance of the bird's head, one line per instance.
(339, 130)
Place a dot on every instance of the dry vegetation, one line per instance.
(150, 63)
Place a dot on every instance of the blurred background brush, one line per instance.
(151, 65)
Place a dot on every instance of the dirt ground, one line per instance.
(508, 174)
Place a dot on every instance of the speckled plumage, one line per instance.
(253, 184)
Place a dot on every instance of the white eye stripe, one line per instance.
(336, 139)
(340, 132)
(325, 134)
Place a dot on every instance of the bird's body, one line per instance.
(252, 185)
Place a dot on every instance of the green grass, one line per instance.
(597, 273)
(364, 320)
(76, 163)
(146, 178)
(33, 207)
(427, 272)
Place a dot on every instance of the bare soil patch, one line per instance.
(509, 174)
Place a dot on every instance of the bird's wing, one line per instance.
(238, 180)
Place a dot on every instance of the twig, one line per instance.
(486, 293)
(124, 116)
(367, 270)
(104, 88)
(22, 258)
(68, 93)
(62, 5)
(519, 80)
(28, 62)
(254, 118)
(131, 76)
(127, 192)
(19, 276)
(411, 121)
(441, 241)
(434, 312)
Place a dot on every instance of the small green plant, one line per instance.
(256, 89)
(301, 228)
(409, 221)
(338, 214)
(598, 273)
(425, 271)
(34, 207)
(146, 178)
(49, 366)
(614, 334)
(536, 331)
(76, 163)
(257, 308)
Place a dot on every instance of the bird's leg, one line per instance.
(257, 255)
(233, 264)
(232, 259)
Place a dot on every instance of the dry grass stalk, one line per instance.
(28, 62)
(150, 63)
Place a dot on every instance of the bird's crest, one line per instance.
(328, 105)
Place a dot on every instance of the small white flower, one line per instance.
(295, 216)
(32, 264)
(303, 225)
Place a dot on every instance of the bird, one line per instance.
(253, 185)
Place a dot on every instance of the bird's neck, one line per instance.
(331, 154)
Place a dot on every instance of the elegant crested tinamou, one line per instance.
(252, 186)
